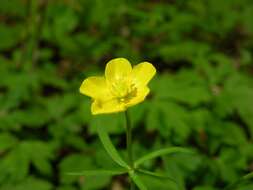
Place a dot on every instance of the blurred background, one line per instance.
(201, 98)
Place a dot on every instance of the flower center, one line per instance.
(123, 90)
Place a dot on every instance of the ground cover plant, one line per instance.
(201, 97)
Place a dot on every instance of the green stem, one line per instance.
(36, 12)
(129, 145)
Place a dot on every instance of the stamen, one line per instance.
(124, 91)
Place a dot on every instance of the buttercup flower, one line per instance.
(121, 87)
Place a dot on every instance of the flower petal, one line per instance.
(143, 73)
(117, 69)
(140, 96)
(104, 107)
(95, 87)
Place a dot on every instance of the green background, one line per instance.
(201, 98)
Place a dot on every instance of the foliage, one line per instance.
(202, 97)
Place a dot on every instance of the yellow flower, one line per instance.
(121, 87)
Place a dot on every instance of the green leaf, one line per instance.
(74, 162)
(15, 165)
(13, 8)
(10, 36)
(7, 141)
(99, 172)
(136, 179)
(248, 176)
(158, 175)
(161, 152)
(240, 181)
(114, 124)
(172, 117)
(109, 147)
(95, 182)
(203, 188)
(154, 174)
(30, 183)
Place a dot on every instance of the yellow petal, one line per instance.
(143, 73)
(140, 96)
(95, 87)
(105, 107)
(117, 69)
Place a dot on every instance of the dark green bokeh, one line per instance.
(202, 97)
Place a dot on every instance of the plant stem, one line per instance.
(36, 12)
(129, 145)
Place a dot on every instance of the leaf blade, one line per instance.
(98, 172)
(154, 174)
(161, 152)
(110, 149)
(239, 181)
(136, 179)
(248, 176)
(159, 176)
